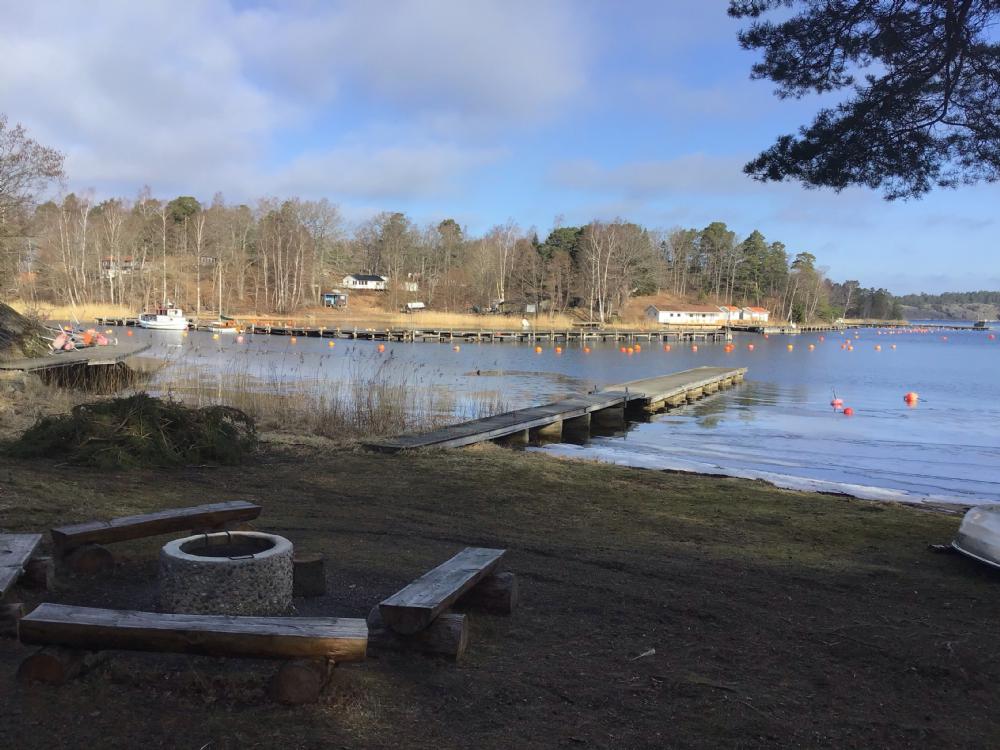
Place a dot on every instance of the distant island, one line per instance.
(982, 305)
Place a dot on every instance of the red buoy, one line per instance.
(911, 397)
(848, 412)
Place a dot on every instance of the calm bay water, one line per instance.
(777, 426)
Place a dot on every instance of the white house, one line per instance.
(731, 314)
(364, 281)
(686, 314)
(756, 314)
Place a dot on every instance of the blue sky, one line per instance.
(478, 110)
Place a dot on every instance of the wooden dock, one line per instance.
(92, 356)
(464, 335)
(573, 417)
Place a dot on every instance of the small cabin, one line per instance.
(369, 281)
(686, 314)
(411, 307)
(336, 298)
(756, 314)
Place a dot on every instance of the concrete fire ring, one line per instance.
(227, 573)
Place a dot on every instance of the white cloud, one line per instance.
(389, 173)
(198, 96)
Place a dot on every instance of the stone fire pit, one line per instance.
(228, 573)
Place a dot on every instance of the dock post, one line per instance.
(611, 418)
(549, 433)
(515, 439)
(576, 429)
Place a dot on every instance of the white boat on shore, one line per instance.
(223, 326)
(979, 535)
(167, 318)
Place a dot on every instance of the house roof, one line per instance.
(729, 308)
(366, 277)
(686, 308)
(758, 309)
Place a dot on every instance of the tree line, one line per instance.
(279, 256)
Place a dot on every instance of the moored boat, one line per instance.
(979, 535)
(166, 318)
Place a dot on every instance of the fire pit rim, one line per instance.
(279, 545)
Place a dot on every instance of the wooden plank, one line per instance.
(667, 386)
(339, 639)
(66, 538)
(15, 551)
(413, 608)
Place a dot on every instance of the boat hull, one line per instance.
(164, 325)
(979, 535)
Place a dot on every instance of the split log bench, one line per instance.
(81, 545)
(16, 552)
(310, 645)
(418, 618)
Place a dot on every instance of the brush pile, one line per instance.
(20, 336)
(140, 431)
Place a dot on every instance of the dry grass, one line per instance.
(363, 402)
(85, 313)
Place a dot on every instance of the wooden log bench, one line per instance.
(16, 552)
(414, 607)
(310, 645)
(81, 545)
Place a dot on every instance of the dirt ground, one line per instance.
(657, 610)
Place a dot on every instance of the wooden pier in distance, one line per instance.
(574, 416)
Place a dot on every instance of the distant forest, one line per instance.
(950, 298)
(281, 255)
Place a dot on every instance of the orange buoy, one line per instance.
(638, 348)
(694, 347)
(538, 350)
(630, 350)
(812, 347)
(790, 347)
(822, 338)
(381, 347)
(749, 347)
(586, 350)
(623, 350)
(848, 411)
(128, 332)
(911, 397)
(558, 350)
(766, 336)
(331, 344)
(666, 347)
(878, 347)
(294, 340)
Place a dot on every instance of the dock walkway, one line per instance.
(607, 408)
(92, 356)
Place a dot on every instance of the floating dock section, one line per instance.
(572, 418)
